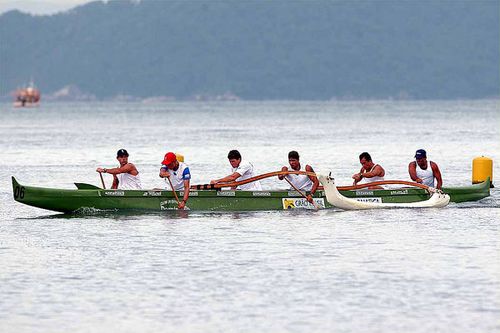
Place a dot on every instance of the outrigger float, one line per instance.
(90, 198)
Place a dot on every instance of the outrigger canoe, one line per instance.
(90, 198)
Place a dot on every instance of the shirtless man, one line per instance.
(370, 172)
(423, 171)
(126, 176)
(302, 182)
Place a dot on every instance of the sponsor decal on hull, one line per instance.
(226, 193)
(301, 203)
(114, 193)
(261, 194)
(191, 193)
(168, 204)
(364, 193)
(375, 200)
(152, 194)
(399, 192)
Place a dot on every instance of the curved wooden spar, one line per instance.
(249, 180)
(384, 182)
(284, 173)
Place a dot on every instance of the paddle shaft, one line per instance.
(173, 190)
(102, 181)
(301, 193)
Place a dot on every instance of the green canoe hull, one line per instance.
(90, 198)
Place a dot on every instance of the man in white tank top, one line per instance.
(369, 173)
(301, 182)
(126, 176)
(241, 170)
(423, 171)
(179, 175)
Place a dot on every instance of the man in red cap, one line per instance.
(179, 175)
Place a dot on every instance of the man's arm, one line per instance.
(357, 176)
(377, 171)
(412, 170)
(127, 168)
(315, 181)
(164, 173)
(437, 175)
(281, 177)
(185, 198)
(226, 179)
(115, 182)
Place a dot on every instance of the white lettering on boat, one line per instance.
(399, 192)
(376, 200)
(301, 203)
(293, 194)
(191, 193)
(261, 194)
(363, 193)
(115, 193)
(226, 193)
(168, 205)
(152, 194)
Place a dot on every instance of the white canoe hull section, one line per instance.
(437, 200)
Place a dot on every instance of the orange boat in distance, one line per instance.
(28, 96)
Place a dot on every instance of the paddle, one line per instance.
(173, 190)
(102, 181)
(300, 192)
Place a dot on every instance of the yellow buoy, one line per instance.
(180, 157)
(482, 168)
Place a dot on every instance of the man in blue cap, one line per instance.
(126, 176)
(423, 171)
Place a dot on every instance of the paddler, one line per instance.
(179, 175)
(370, 172)
(240, 170)
(126, 176)
(301, 182)
(423, 171)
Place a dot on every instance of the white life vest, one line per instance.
(302, 182)
(245, 169)
(426, 175)
(126, 181)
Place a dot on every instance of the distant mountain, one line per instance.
(258, 49)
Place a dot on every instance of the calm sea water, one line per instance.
(293, 271)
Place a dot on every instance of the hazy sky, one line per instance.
(40, 7)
